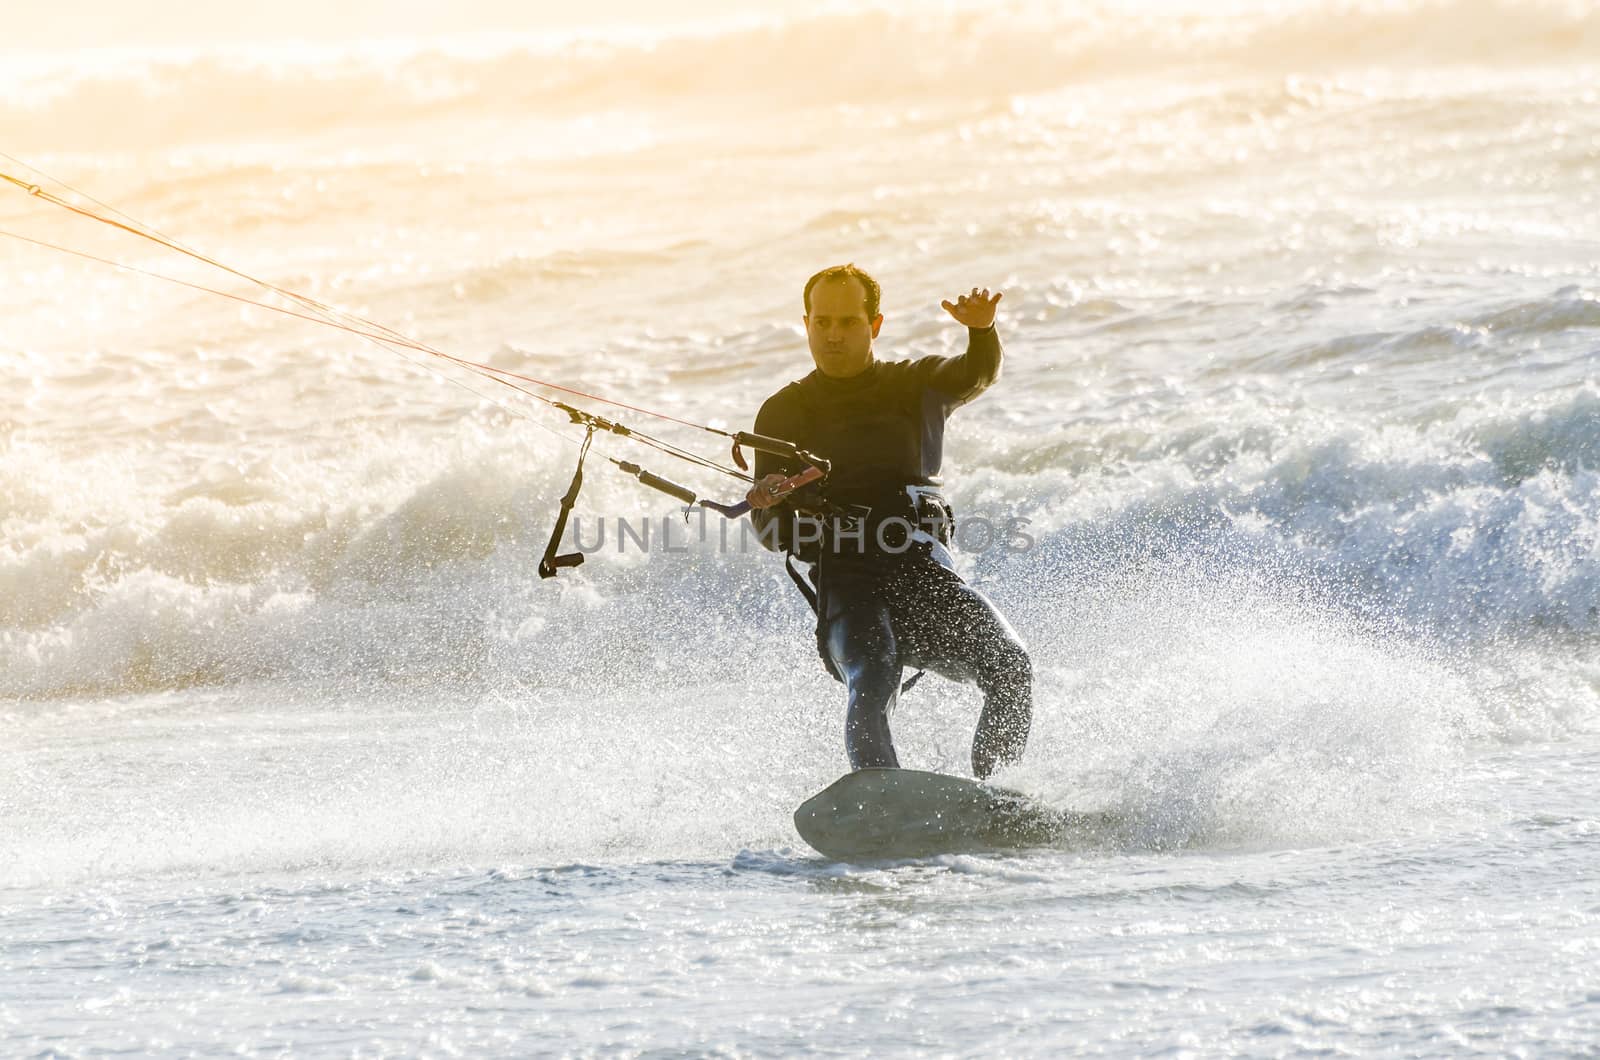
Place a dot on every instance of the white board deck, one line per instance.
(908, 813)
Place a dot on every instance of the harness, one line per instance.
(911, 522)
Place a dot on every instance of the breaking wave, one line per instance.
(421, 565)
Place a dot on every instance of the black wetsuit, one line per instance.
(882, 608)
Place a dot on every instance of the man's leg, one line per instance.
(959, 634)
(861, 642)
(1005, 673)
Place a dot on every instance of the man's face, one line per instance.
(838, 328)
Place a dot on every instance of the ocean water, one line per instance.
(1302, 320)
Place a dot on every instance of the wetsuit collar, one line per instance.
(844, 386)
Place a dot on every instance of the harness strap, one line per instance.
(803, 583)
(551, 564)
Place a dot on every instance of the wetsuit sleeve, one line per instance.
(963, 378)
(778, 418)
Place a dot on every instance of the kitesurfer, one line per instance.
(876, 533)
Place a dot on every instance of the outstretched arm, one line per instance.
(964, 378)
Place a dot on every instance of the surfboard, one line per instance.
(909, 813)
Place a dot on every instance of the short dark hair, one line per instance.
(848, 272)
